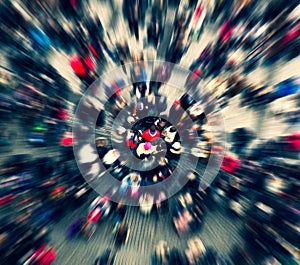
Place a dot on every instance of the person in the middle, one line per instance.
(151, 134)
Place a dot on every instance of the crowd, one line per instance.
(154, 130)
(32, 201)
(196, 253)
(262, 188)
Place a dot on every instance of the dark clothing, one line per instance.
(121, 236)
(107, 258)
(176, 258)
(121, 212)
(102, 151)
(130, 12)
(154, 32)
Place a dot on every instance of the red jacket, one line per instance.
(38, 251)
(230, 164)
(292, 34)
(150, 137)
(6, 199)
(94, 215)
(293, 142)
(89, 63)
(80, 65)
(62, 114)
(67, 139)
(77, 66)
(131, 143)
(226, 31)
(198, 13)
(48, 258)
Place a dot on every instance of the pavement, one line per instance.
(220, 231)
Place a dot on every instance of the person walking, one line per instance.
(107, 258)
(121, 235)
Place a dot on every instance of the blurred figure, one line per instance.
(107, 258)
(84, 68)
(154, 30)
(131, 14)
(161, 254)
(91, 224)
(123, 54)
(121, 235)
(241, 138)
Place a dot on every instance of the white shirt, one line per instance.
(141, 150)
(169, 136)
(146, 204)
(111, 156)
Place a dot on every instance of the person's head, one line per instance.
(161, 122)
(163, 161)
(121, 130)
(191, 176)
(136, 56)
(115, 152)
(135, 178)
(172, 129)
(176, 147)
(120, 204)
(163, 195)
(141, 87)
(140, 106)
(152, 129)
(188, 198)
(100, 142)
(196, 127)
(147, 146)
(196, 73)
(121, 226)
(130, 120)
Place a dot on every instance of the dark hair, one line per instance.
(163, 118)
(152, 128)
(172, 129)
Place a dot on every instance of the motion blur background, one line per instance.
(247, 54)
